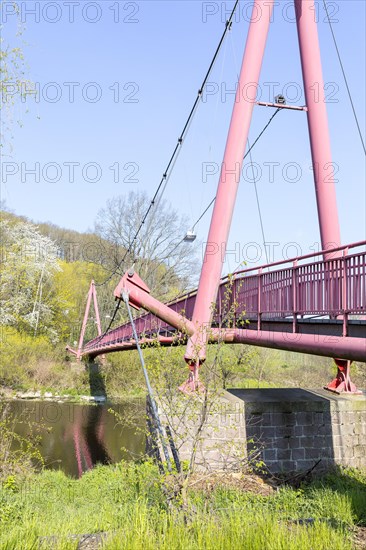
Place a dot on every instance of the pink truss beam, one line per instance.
(92, 294)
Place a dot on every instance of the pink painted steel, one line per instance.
(314, 344)
(342, 383)
(139, 296)
(229, 179)
(320, 288)
(96, 309)
(85, 320)
(91, 294)
(300, 288)
(318, 123)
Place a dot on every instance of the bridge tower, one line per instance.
(234, 152)
(333, 287)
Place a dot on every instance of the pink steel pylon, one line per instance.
(234, 153)
(91, 294)
(197, 330)
(342, 383)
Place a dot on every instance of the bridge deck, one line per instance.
(326, 297)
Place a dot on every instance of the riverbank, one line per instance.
(32, 367)
(8, 394)
(125, 506)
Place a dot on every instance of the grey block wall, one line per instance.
(219, 442)
(295, 428)
(288, 429)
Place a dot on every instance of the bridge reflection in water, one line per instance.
(75, 437)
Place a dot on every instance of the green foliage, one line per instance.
(122, 374)
(28, 362)
(13, 80)
(29, 262)
(18, 455)
(36, 326)
(232, 362)
(127, 503)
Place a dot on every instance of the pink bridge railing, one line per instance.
(335, 287)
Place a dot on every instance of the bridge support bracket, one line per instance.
(193, 384)
(342, 383)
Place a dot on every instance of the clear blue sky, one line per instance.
(160, 51)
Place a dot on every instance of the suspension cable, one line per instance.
(250, 148)
(258, 204)
(148, 385)
(213, 200)
(170, 165)
(344, 76)
(246, 154)
(177, 148)
(203, 213)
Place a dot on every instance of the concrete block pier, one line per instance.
(296, 427)
(288, 429)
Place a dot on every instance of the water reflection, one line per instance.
(75, 437)
(88, 437)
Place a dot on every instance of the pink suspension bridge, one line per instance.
(313, 304)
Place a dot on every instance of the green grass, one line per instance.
(127, 502)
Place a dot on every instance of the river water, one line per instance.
(74, 437)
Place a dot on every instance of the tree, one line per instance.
(79, 259)
(29, 262)
(233, 361)
(161, 256)
(13, 69)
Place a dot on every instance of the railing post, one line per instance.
(260, 284)
(96, 309)
(294, 297)
(220, 307)
(233, 301)
(344, 292)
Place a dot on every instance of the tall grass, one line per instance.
(127, 502)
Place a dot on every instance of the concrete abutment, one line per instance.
(288, 429)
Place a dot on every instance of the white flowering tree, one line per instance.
(29, 262)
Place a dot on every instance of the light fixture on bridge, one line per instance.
(280, 100)
(190, 236)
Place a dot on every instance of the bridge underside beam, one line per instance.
(312, 326)
(313, 344)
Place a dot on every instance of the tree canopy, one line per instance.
(161, 257)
